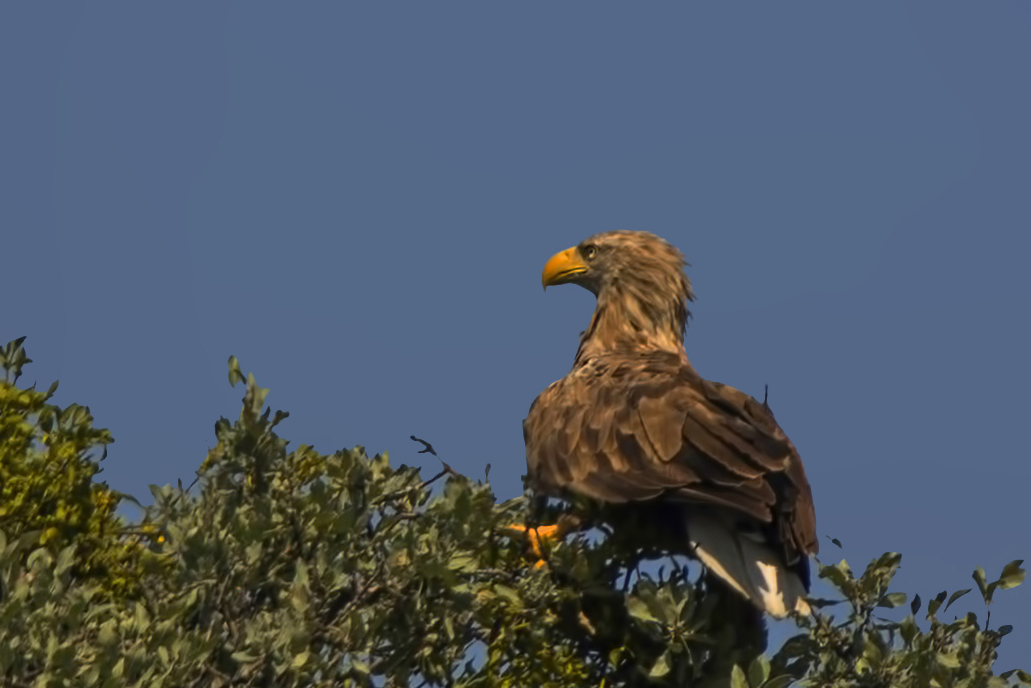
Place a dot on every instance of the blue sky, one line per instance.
(357, 200)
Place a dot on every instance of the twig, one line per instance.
(447, 470)
(429, 450)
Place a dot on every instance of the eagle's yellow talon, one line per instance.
(535, 535)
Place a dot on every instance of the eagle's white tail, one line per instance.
(747, 564)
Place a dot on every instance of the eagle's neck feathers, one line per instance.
(631, 318)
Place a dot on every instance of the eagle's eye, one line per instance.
(590, 251)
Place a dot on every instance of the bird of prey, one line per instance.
(633, 424)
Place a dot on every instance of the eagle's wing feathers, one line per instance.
(658, 428)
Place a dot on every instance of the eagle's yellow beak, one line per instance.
(563, 267)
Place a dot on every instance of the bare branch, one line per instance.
(429, 450)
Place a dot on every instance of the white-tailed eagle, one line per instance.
(633, 424)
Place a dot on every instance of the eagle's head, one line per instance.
(640, 284)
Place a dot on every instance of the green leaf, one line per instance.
(661, 666)
(37, 556)
(737, 677)
(301, 573)
(142, 617)
(638, 609)
(908, 630)
(955, 596)
(782, 681)
(65, 559)
(1012, 575)
(1005, 630)
(92, 675)
(839, 574)
(758, 670)
(892, 600)
(464, 562)
(873, 654)
(235, 374)
(449, 628)
(507, 592)
(982, 584)
(914, 606)
(13, 357)
(254, 397)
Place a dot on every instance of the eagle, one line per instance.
(633, 426)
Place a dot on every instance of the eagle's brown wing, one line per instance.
(626, 428)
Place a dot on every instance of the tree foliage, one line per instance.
(296, 568)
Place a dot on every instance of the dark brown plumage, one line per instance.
(633, 423)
